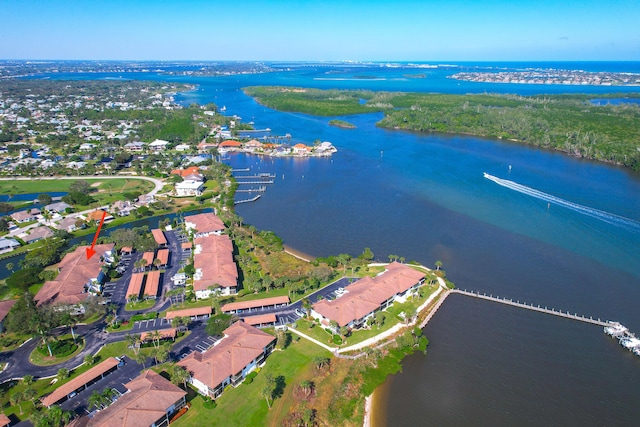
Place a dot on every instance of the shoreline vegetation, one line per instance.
(568, 123)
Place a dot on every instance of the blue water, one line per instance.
(424, 197)
(26, 197)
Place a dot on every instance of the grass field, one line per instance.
(105, 187)
(245, 406)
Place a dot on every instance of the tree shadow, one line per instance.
(278, 391)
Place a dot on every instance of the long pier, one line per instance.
(259, 176)
(261, 189)
(254, 182)
(532, 307)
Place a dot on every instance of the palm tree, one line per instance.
(140, 358)
(155, 337)
(438, 265)
(95, 400)
(89, 359)
(9, 266)
(161, 354)
(70, 321)
(30, 393)
(16, 399)
(179, 374)
(134, 342)
(307, 386)
(63, 373)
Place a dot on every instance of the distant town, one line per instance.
(551, 77)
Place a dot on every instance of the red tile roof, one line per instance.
(262, 319)
(149, 397)
(204, 223)
(189, 312)
(148, 256)
(152, 283)
(213, 259)
(164, 333)
(241, 345)
(242, 305)
(75, 272)
(159, 237)
(230, 143)
(163, 256)
(367, 294)
(185, 172)
(79, 381)
(135, 285)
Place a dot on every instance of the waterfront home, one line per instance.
(78, 277)
(150, 401)
(186, 172)
(253, 145)
(229, 145)
(7, 245)
(205, 146)
(203, 224)
(96, 216)
(240, 351)
(216, 271)
(300, 150)
(37, 233)
(367, 296)
(189, 188)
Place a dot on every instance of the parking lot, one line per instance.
(153, 323)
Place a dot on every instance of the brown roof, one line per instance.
(213, 261)
(149, 396)
(41, 232)
(75, 272)
(185, 172)
(187, 245)
(367, 294)
(5, 306)
(163, 256)
(204, 222)
(188, 312)
(22, 216)
(152, 283)
(241, 344)
(148, 256)
(159, 236)
(135, 285)
(79, 381)
(164, 333)
(242, 305)
(4, 420)
(260, 319)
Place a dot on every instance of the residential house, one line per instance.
(96, 216)
(203, 224)
(183, 147)
(159, 237)
(186, 172)
(38, 233)
(189, 188)
(205, 147)
(216, 271)
(240, 351)
(7, 245)
(253, 145)
(67, 224)
(78, 277)
(151, 401)
(366, 296)
(58, 207)
(229, 145)
(23, 216)
(159, 145)
(300, 150)
(134, 147)
(255, 305)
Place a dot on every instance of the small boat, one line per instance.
(615, 329)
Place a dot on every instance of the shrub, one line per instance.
(337, 339)
(250, 377)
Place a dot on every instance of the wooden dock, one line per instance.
(253, 199)
(532, 307)
(254, 182)
(261, 189)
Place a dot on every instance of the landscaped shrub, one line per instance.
(337, 339)
(250, 377)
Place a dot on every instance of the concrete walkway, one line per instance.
(313, 340)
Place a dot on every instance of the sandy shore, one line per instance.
(300, 255)
(368, 405)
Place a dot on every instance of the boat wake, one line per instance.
(592, 212)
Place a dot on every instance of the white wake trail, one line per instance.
(592, 212)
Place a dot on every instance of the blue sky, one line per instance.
(321, 30)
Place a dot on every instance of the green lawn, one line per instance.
(244, 406)
(117, 186)
(140, 305)
(44, 360)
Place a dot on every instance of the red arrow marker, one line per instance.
(90, 251)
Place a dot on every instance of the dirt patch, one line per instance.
(96, 184)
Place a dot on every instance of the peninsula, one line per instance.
(568, 123)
